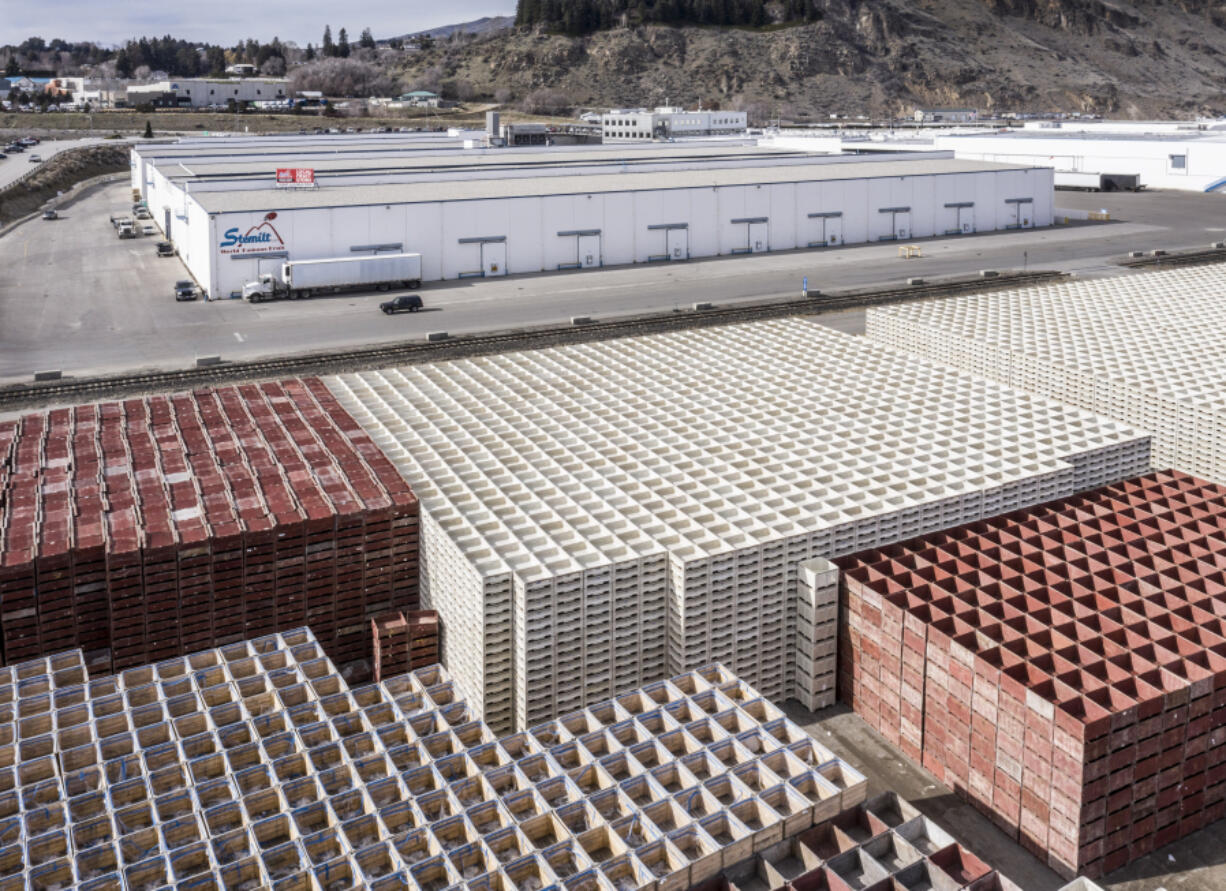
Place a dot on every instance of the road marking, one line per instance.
(238, 337)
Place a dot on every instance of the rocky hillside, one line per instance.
(1145, 58)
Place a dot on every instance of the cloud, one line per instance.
(216, 21)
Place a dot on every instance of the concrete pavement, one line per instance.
(107, 306)
(18, 165)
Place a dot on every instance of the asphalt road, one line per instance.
(75, 298)
(18, 165)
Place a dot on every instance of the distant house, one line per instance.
(28, 84)
(422, 99)
(946, 115)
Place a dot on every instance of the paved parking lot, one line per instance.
(17, 165)
(75, 298)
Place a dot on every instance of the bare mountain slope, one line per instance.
(1140, 59)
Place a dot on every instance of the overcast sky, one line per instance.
(226, 22)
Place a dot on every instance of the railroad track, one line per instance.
(33, 395)
(1184, 258)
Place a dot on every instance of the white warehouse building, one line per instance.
(1190, 161)
(492, 227)
(202, 92)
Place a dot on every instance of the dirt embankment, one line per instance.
(1123, 58)
(60, 174)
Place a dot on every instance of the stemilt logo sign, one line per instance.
(259, 238)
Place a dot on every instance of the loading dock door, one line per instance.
(757, 236)
(826, 228)
(676, 242)
(494, 258)
(489, 256)
(1021, 213)
(166, 228)
(961, 217)
(900, 223)
(589, 251)
(587, 248)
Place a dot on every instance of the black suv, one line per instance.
(185, 290)
(165, 249)
(405, 303)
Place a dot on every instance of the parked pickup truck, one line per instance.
(185, 290)
(126, 229)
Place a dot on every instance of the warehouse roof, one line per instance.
(483, 158)
(420, 193)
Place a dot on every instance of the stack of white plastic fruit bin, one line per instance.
(1148, 349)
(689, 474)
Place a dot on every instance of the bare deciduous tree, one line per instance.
(342, 77)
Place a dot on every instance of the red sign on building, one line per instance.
(295, 176)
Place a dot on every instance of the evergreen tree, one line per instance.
(148, 130)
(367, 40)
(310, 53)
(12, 69)
(342, 44)
(328, 47)
(123, 63)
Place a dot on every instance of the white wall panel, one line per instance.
(531, 224)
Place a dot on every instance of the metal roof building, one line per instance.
(470, 223)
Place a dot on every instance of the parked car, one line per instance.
(165, 249)
(51, 214)
(185, 290)
(15, 149)
(36, 159)
(3, 156)
(403, 303)
(148, 229)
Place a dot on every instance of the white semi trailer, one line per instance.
(303, 278)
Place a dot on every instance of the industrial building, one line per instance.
(641, 125)
(190, 92)
(593, 516)
(472, 227)
(1148, 349)
(1061, 668)
(1190, 161)
(1129, 154)
(149, 528)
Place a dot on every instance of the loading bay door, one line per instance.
(676, 241)
(961, 217)
(1021, 213)
(587, 248)
(826, 228)
(166, 228)
(757, 235)
(490, 256)
(900, 223)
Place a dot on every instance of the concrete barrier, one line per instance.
(48, 375)
(437, 335)
(206, 361)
